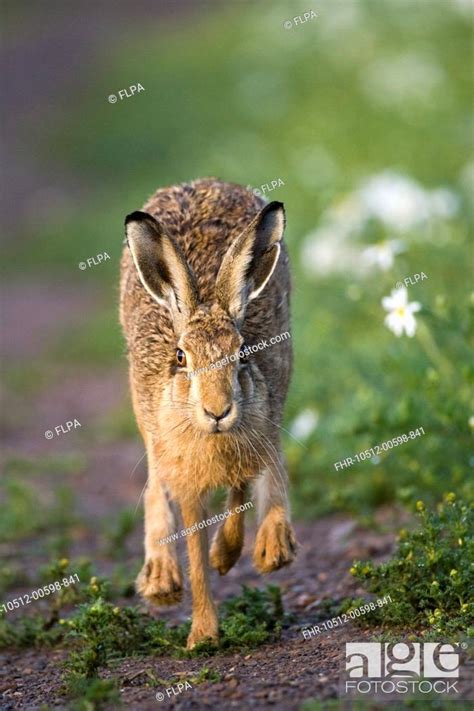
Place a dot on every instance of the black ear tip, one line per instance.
(137, 216)
(272, 206)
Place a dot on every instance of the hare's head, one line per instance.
(212, 381)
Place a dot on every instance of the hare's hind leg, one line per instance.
(229, 539)
(205, 623)
(275, 545)
(159, 581)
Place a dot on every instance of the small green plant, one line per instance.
(205, 674)
(102, 632)
(252, 618)
(431, 576)
(99, 632)
(92, 694)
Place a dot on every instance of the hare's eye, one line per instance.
(180, 357)
(244, 353)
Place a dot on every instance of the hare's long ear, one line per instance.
(161, 265)
(250, 261)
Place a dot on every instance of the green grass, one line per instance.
(67, 463)
(24, 512)
(28, 506)
(430, 578)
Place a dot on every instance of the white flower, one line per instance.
(400, 317)
(396, 200)
(304, 424)
(382, 254)
(326, 251)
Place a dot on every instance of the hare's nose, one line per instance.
(223, 414)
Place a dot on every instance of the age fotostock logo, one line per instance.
(401, 668)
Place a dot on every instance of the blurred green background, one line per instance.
(364, 114)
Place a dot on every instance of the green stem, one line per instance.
(431, 349)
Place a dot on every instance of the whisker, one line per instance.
(136, 465)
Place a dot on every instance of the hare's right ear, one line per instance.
(250, 261)
(161, 265)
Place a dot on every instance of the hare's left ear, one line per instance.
(162, 267)
(250, 261)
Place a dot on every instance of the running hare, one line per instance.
(205, 271)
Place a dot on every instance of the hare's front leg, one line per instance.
(205, 623)
(159, 581)
(275, 545)
(228, 541)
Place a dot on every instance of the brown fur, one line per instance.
(200, 260)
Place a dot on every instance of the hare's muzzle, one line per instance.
(218, 417)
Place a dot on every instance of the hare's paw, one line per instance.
(275, 545)
(225, 550)
(159, 581)
(204, 629)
